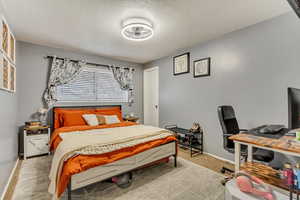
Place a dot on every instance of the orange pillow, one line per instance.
(73, 117)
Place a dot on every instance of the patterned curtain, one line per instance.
(62, 72)
(124, 76)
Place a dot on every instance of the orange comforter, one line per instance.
(81, 163)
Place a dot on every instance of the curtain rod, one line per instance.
(89, 63)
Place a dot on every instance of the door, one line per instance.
(151, 107)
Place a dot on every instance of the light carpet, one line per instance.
(161, 182)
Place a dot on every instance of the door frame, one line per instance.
(149, 70)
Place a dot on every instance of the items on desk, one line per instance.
(291, 177)
(297, 175)
(294, 133)
(298, 135)
(269, 131)
(253, 185)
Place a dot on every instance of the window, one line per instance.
(92, 84)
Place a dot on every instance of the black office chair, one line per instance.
(230, 127)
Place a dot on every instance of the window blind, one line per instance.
(92, 84)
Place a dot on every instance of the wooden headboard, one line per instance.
(77, 108)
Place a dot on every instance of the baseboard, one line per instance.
(9, 179)
(220, 158)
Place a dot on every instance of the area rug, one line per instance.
(161, 182)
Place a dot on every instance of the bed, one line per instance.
(125, 146)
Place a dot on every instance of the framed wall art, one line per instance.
(7, 75)
(8, 42)
(181, 64)
(7, 58)
(5, 37)
(4, 73)
(12, 48)
(12, 78)
(202, 67)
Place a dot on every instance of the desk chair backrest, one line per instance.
(229, 125)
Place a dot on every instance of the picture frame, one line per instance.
(4, 36)
(7, 57)
(202, 67)
(181, 64)
(7, 75)
(7, 41)
(4, 72)
(12, 78)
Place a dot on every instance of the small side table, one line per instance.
(187, 139)
(36, 141)
(131, 119)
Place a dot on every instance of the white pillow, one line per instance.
(91, 119)
(111, 119)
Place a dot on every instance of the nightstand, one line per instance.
(131, 119)
(36, 140)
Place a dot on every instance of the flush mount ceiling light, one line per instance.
(137, 29)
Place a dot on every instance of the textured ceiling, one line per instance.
(93, 26)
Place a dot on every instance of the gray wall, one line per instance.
(251, 70)
(8, 132)
(33, 70)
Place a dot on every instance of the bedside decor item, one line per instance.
(131, 118)
(33, 123)
(42, 115)
(181, 64)
(36, 140)
(202, 67)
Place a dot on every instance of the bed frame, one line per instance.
(104, 172)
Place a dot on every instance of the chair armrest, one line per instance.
(243, 130)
